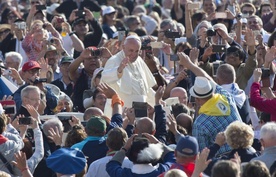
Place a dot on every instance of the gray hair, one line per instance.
(227, 73)
(65, 97)
(180, 28)
(268, 132)
(170, 22)
(15, 56)
(52, 123)
(259, 20)
(25, 91)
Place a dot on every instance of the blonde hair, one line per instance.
(175, 173)
(239, 135)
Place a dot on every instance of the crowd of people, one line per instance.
(137, 88)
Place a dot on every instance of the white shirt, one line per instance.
(97, 168)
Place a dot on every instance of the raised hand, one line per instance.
(107, 90)
(123, 64)
(257, 75)
(55, 135)
(171, 123)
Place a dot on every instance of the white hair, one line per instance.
(52, 123)
(175, 173)
(268, 132)
(153, 152)
(26, 91)
(15, 56)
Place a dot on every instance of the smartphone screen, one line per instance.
(25, 121)
(140, 109)
(221, 15)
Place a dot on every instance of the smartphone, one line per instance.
(156, 45)
(121, 35)
(140, 109)
(192, 99)
(80, 13)
(215, 68)
(6, 72)
(96, 53)
(219, 48)
(65, 122)
(172, 35)
(174, 57)
(25, 121)
(265, 72)
(21, 25)
(193, 6)
(9, 106)
(221, 15)
(40, 7)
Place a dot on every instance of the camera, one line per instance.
(172, 34)
(265, 72)
(36, 81)
(21, 25)
(96, 53)
(51, 41)
(65, 122)
(145, 45)
(211, 32)
(25, 121)
(80, 13)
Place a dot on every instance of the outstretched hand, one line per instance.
(107, 90)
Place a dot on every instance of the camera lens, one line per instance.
(211, 32)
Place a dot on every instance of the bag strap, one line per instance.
(6, 163)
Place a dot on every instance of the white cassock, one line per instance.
(136, 82)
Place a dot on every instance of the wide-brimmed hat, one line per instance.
(202, 88)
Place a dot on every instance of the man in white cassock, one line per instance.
(128, 74)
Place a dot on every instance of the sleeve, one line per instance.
(260, 103)
(17, 99)
(15, 140)
(129, 130)
(168, 159)
(96, 36)
(250, 65)
(160, 121)
(202, 138)
(114, 166)
(266, 23)
(109, 74)
(116, 121)
(39, 150)
(52, 100)
(26, 43)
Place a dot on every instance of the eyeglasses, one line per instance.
(252, 22)
(248, 12)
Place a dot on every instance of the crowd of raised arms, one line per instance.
(137, 88)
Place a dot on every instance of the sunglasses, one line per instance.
(5, 31)
(248, 12)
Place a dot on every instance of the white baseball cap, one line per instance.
(108, 10)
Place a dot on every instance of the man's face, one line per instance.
(100, 101)
(182, 96)
(52, 57)
(30, 75)
(208, 6)
(81, 28)
(253, 24)
(91, 63)
(64, 69)
(233, 59)
(33, 98)
(135, 24)
(11, 64)
(132, 49)
(266, 10)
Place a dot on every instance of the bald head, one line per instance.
(145, 125)
(185, 121)
(181, 93)
(226, 74)
(92, 111)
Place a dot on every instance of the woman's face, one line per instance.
(266, 10)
